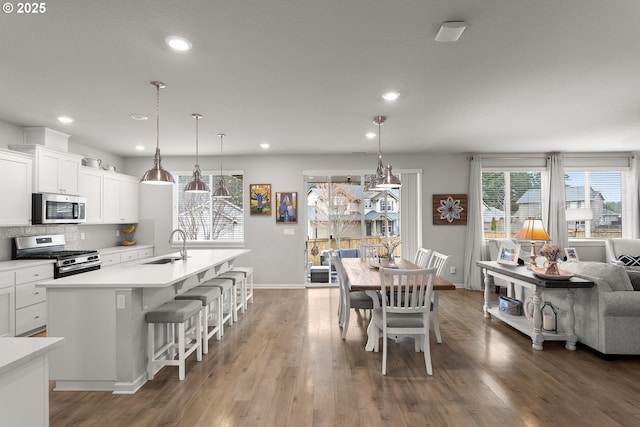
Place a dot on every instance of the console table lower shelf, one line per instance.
(521, 277)
(522, 324)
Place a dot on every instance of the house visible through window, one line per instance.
(594, 204)
(509, 198)
(204, 218)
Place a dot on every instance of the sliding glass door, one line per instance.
(341, 216)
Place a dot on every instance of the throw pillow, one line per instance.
(629, 260)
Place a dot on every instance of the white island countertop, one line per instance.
(141, 274)
(15, 352)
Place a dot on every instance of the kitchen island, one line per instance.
(101, 315)
(24, 380)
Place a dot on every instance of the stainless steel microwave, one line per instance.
(58, 209)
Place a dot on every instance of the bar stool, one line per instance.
(211, 299)
(240, 288)
(228, 299)
(248, 279)
(174, 315)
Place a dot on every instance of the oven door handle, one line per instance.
(75, 267)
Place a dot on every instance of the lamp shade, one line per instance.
(157, 175)
(532, 229)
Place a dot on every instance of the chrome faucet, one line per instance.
(183, 249)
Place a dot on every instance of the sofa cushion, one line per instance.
(634, 276)
(613, 277)
(629, 260)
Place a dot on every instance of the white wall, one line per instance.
(278, 258)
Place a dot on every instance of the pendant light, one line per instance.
(157, 175)
(196, 185)
(221, 192)
(383, 178)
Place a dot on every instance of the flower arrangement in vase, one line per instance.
(390, 243)
(552, 254)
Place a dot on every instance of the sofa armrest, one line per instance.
(620, 304)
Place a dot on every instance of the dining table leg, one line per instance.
(373, 333)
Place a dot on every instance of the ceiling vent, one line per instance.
(451, 31)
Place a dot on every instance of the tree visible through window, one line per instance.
(508, 198)
(204, 218)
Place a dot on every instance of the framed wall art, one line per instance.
(260, 199)
(287, 207)
(449, 209)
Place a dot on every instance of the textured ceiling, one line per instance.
(307, 76)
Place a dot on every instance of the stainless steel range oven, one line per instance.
(68, 262)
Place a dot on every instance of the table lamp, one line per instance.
(533, 230)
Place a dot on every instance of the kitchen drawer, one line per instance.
(7, 278)
(110, 259)
(33, 274)
(128, 256)
(30, 318)
(145, 253)
(29, 294)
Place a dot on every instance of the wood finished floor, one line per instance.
(284, 364)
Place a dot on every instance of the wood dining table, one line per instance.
(364, 275)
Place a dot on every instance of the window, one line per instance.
(594, 204)
(204, 218)
(388, 207)
(508, 198)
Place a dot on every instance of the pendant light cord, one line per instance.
(157, 115)
(197, 116)
(221, 135)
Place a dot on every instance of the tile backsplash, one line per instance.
(95, 236)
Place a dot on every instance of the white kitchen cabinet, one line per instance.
(16, 174)
(31, 301)
(119, 255)
(109, 259)
(128, 256)
(7, 304)
(121, 195)
(54, 171)
(91, 181)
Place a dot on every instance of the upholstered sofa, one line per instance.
(607, 316)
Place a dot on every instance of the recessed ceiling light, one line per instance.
(390, 96)
(139, 117)
(370, 135)
(65, 119)
(139, 147)
(450, 31)
(264, 145)
(178, 43)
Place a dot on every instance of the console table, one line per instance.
(523, 277)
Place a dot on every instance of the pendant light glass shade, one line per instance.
(221, 192)
(196, 185)
(157, 175)
(384, 178)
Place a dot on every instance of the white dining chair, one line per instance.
(348, 299)
(438, 261)
(405, 309)
(422, 258)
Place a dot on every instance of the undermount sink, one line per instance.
(163, 260)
